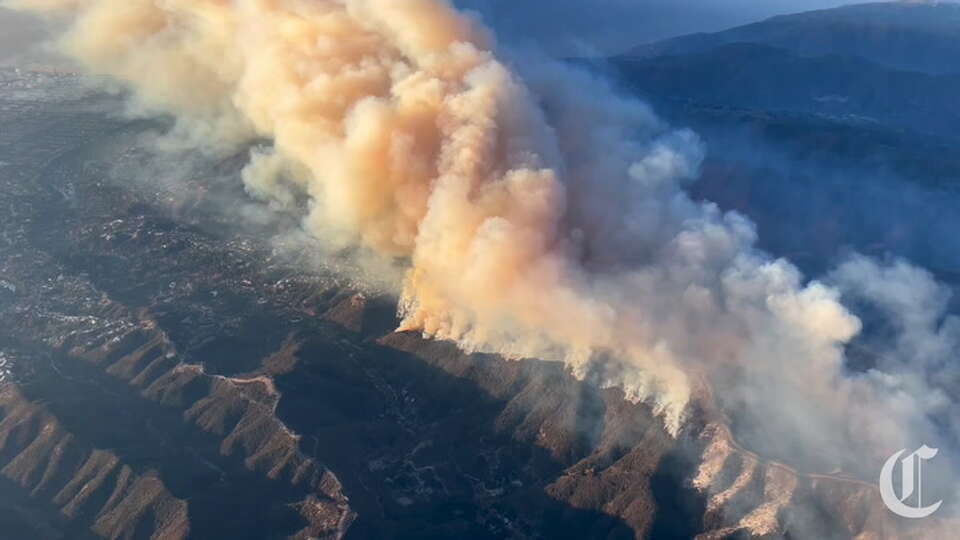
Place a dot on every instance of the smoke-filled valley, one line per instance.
(737, 275)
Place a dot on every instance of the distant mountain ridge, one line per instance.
(914, 36)
(893, 64)
(757, 76)
(821, 114)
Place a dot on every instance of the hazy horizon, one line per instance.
(18, 33)
(608, 26)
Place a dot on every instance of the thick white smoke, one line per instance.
(542, 216)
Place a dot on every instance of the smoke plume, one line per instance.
(542, 216)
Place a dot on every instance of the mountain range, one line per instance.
(819, 123)
(908, 36)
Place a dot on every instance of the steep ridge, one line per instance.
(104, 422)
(88, 485)
(233, 432)
(120, 371)
(702, 483)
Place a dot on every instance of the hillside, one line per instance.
(750, 75)
(833, 130)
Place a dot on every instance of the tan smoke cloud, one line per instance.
(542, 217)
